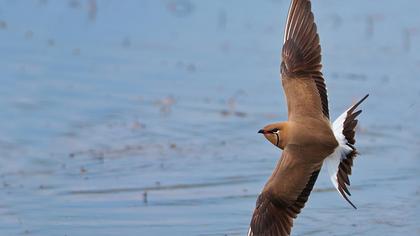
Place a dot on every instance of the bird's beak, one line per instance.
(261, 131)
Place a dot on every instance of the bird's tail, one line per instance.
(339, 163)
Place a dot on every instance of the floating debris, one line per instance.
(408, 33)
(166, 104)
(92, 9)
(239, 113)
(137, 125)
(3, 24)
(107, 152)
(43, 2)
(191, 68)
(231, 102)
(74, 4)
(233, 113)
(180, 8)
(126, 43)
(370, 24)
(51, 42)
(180, 64)
(222, 19)
(224, 112)
(76, 51)
(145, 197)
(29, 34)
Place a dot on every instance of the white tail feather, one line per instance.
(345, 150)
(333, 161)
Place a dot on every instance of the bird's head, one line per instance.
(275, 133)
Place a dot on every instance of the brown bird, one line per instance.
(308, 139)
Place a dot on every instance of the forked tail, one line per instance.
(339, 163)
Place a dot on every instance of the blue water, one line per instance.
(140, 117)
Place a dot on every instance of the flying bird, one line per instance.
(308, 138)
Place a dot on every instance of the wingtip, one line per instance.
(366, 96)
(347, 199)
(357, 104)
(354, 207)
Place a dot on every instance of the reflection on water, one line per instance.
(140, 118)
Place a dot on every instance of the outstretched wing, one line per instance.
(302, 79)
(284, 195)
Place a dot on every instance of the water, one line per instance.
(140, 118)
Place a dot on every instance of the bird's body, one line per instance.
(308, 139)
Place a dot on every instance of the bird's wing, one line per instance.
(285, 194)
(302, 79)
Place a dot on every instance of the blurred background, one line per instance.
(141, 117)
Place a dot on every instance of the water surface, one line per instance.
(140, 117)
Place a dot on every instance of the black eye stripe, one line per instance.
(274, 130)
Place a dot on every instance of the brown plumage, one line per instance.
(302, 53)
(307, 138)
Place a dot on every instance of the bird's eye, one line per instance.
(275, 130)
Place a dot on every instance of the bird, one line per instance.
(308, 139)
